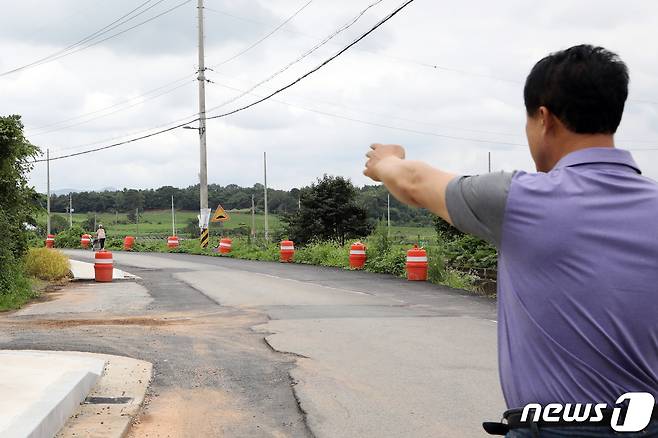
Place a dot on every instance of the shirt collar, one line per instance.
(598, 155)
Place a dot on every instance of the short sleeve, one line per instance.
(476, 204)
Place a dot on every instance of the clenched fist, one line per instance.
(377, 154)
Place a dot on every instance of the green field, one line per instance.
(159, 222)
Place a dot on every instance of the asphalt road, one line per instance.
(251, 349)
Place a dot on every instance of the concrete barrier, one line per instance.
(41, 390)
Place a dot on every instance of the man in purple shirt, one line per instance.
(577, 247)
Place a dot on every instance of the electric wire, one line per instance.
(382, 125)
(94, 43)
(304, 55)
(242, 52)
(378, 114)
(121, 109)
(271, 95)
(372, 52)
(75, 154)
(79, 42)
(309, 73)
(372, 29)
(80, 116)
(266, 36)
(189, 119)
(115, 24)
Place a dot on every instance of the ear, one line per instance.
(546, 119)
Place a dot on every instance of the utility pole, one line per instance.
(267, 226)
(203, 171)
(388, 214)
(137, 220)
(70, 210)
(253, 217)
(489, 161)
(48, 188)
(95, 227)
(173, 217)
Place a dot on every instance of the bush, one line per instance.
(257, 250)
(114, 243)
(466, 252)
(460, 280)
(46, 264)
(324, 254)
(391, 262)
(69, 238)
(18, 205)
(141, 245)
(436, 272)
(17, 289)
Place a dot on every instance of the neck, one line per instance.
(575, 142)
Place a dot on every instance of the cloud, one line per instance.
(482, 52)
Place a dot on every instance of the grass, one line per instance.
(23, 290)
(30, 277)
(159, 221)
(46, 264)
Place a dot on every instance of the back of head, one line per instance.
(584, 86)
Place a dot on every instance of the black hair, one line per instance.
(583, 86)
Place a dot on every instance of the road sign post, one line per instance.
(204, 219)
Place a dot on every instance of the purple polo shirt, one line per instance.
(577, 275)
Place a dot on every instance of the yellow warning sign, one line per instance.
(220, 215)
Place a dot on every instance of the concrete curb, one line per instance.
(115, 400)
(43, 390)
(84, 271)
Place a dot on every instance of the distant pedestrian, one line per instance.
(100, 235)
(577, 252)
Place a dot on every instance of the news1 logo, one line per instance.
(638, 413)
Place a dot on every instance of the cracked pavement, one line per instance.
(251, 349)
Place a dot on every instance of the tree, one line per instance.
(133, 218)
(18, 201)
(58, 223)
(329, 211)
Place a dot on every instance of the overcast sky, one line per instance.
(469, 104)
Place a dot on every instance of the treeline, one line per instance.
(232, 197)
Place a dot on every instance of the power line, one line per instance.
(380, 23)
(83, 40)
(382, 125)
(309, 52)
(479, 131)
(135, 132)
(80, 116)
(266, 36)
(327, 61)
(132, 140)
(116, 23)
(269, 96)
(391, 57)
(75, 48)
(79, 49)
(242, 52)
(123, 108)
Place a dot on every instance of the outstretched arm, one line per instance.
(412, 182)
